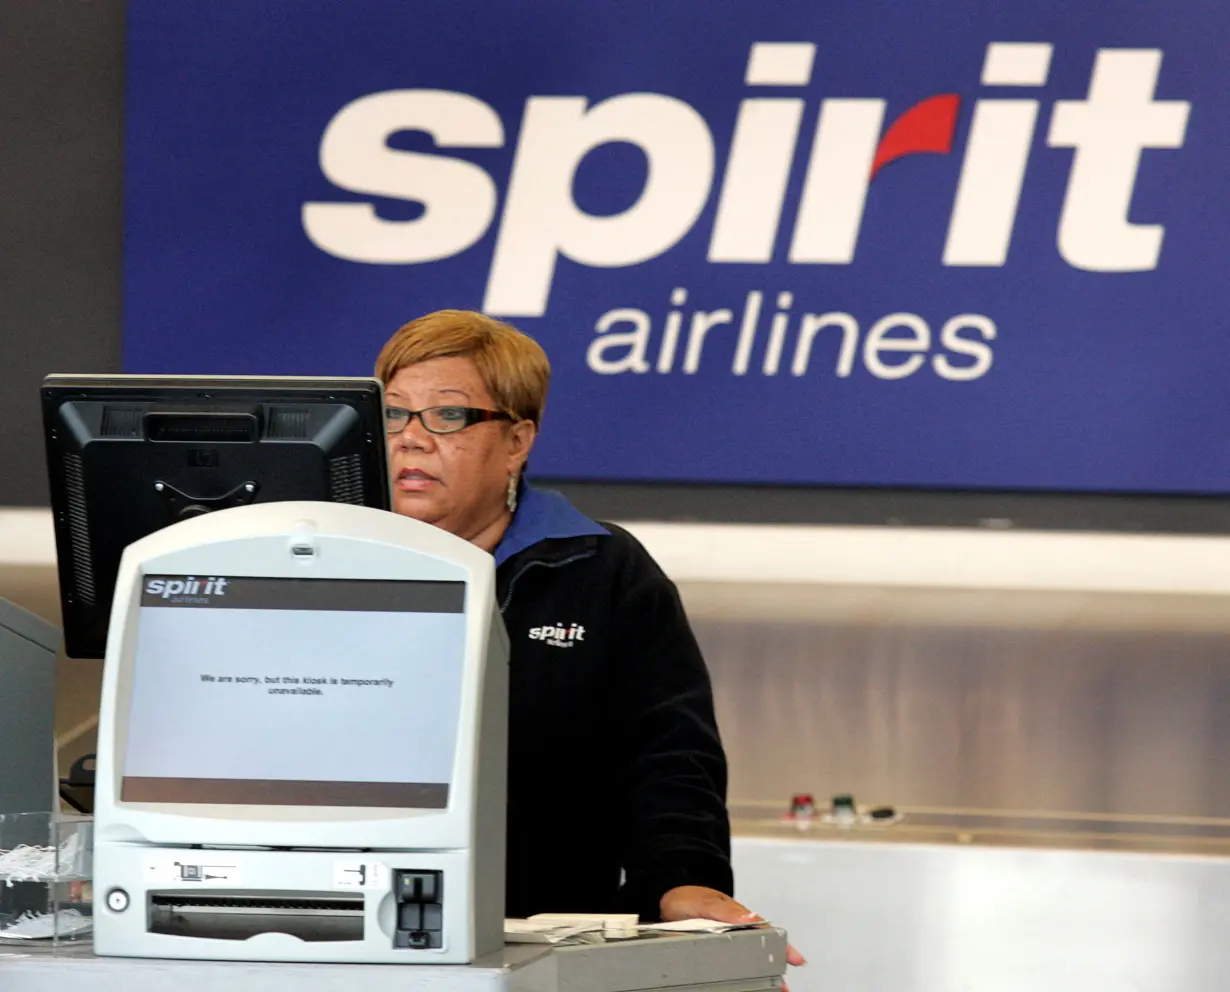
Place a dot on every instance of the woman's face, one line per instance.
(457, 481)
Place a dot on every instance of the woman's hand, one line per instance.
(694, 902)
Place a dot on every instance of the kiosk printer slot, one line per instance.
(302, 739)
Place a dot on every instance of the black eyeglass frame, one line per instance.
(473, 415)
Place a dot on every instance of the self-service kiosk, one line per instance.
(301, 751)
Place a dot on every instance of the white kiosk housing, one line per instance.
(302, 742)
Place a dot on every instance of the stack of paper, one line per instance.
(548, 932)
(699, 926)
(548, 928)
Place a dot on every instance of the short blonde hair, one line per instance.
(512, 364)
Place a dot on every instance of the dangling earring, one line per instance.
(511, 499)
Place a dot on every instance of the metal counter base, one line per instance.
(745, 961)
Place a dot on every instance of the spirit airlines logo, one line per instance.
(560, 635)
(1108, 131)
(188, 586)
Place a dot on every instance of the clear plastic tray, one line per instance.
(46, 866)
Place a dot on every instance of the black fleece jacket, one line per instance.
(617, 777)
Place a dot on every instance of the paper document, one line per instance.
(699, 926)
(545, 932)
(591, 930)
(44, 926)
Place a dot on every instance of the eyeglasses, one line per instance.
(440, 419)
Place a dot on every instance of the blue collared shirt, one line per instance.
(542, 514)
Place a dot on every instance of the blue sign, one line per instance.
(877, 243)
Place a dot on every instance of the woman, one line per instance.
(615, 764)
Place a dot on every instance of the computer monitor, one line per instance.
(128, 455)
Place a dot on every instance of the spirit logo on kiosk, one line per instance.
(185, 591)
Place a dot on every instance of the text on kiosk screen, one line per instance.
(291, 692)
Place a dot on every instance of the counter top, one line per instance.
(742, 961)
